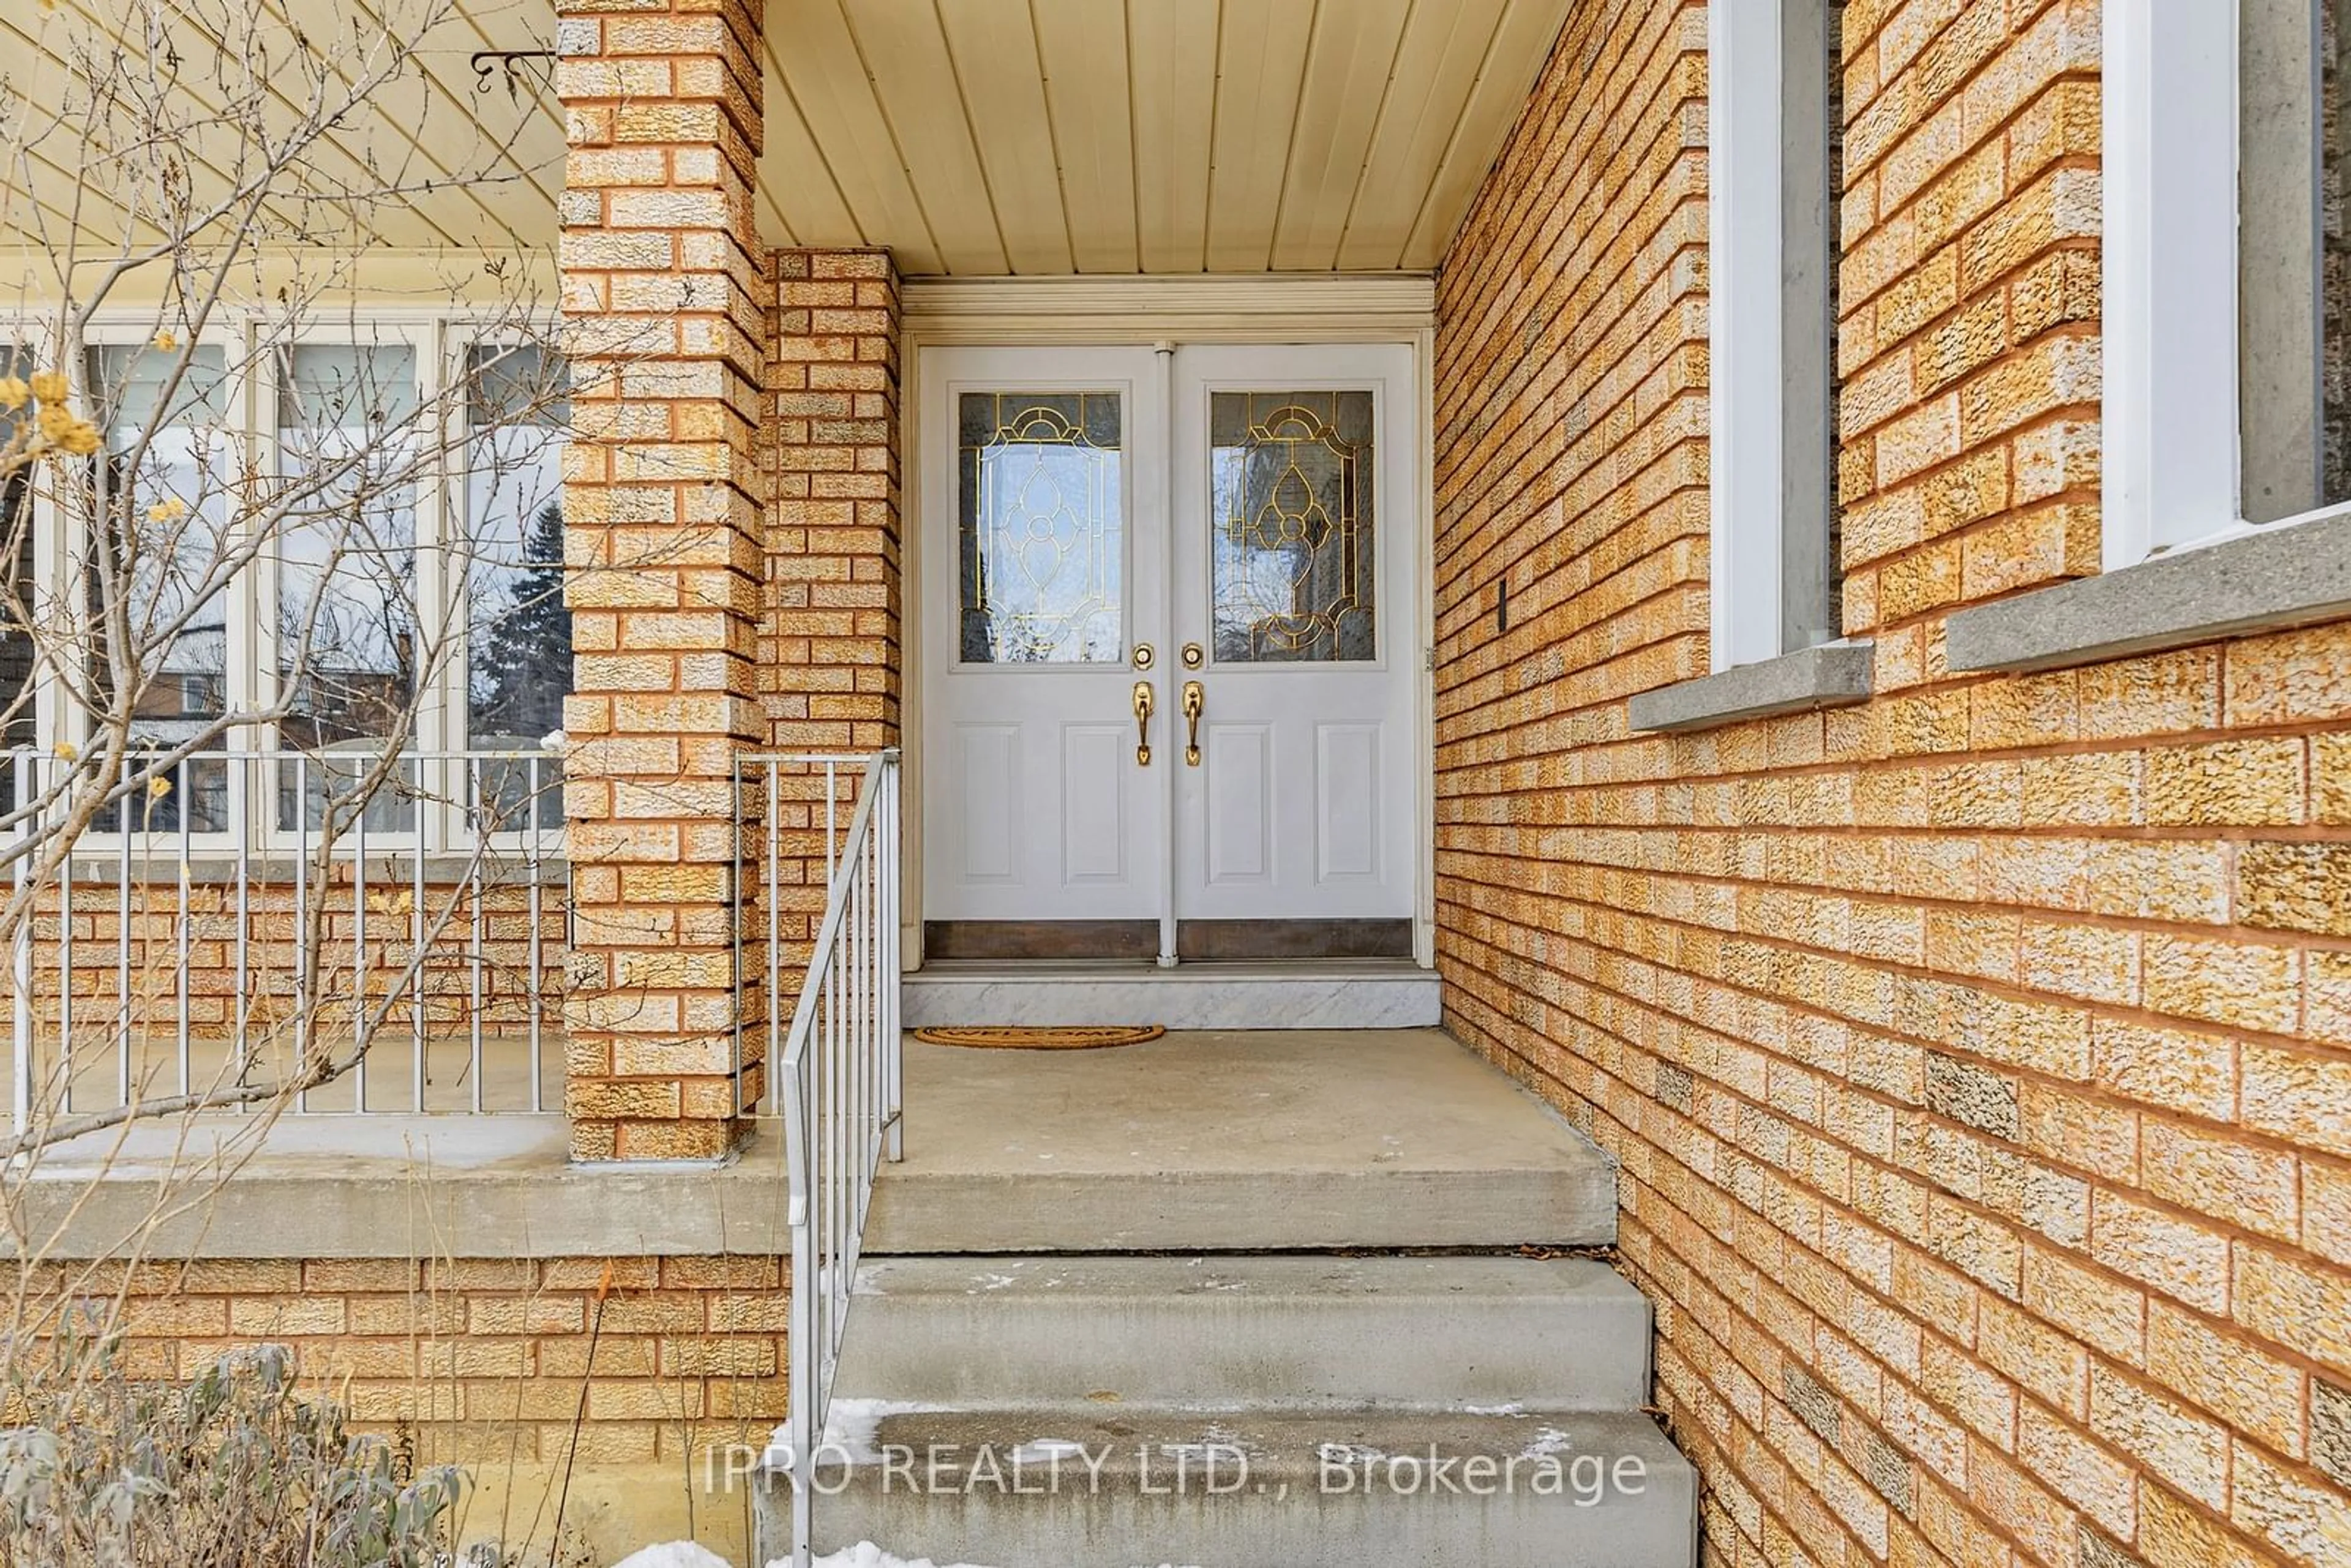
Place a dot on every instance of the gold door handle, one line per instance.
(1142, 706)
(1196, 701)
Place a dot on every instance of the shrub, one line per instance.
(232, 1469)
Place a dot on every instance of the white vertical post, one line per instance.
(359, 953)
(64, 969)
(479, 812)
(2168, 180)
(417, 814)
(1744, 316)
(302, 1022)
(187, 806)
(122, 950)
(773, 839)
(20, 1091)
(241, 808)
(893, 1087)
(533, 857)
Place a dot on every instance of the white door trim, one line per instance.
(1013, 311)
(1020, 312)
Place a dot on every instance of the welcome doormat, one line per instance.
(1083, 1037)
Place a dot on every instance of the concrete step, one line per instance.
(1248, 1332)
(1054, 1488)
(1294, 1141)
(1332, 993)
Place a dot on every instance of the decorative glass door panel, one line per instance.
(1040, 526)
(1292, 564)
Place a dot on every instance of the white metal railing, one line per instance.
(202, 931)
(836, 1065)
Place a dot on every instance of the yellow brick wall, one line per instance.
(631, 1384)
(829, 675)
(483, 1352)
(666, 296)
(828, 636)
(1980, 1058)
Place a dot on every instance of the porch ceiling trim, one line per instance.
(1193, 309)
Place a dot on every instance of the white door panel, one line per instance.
(1095, 761)
(1347, 820)
(1238, 759)
(1293, 530)
(1043, 508)
(988, 848)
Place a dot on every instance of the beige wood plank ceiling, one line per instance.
(974, 138)
(984, 138)
(471, 168)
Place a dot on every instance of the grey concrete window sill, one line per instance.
(2263, 582)
(1829, 675)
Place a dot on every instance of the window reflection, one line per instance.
(517, 631)
(348, 642)
(161, 495)
(1291, 566)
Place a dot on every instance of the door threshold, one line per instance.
(1306, 993)
(1149, 969)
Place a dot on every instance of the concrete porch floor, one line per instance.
(1238, 1141)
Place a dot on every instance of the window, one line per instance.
(1291, 570)
(17, 692)
(414, 588)
(348, 638)
(1775, 130)
(2228, 268)
(159, 502)
(1041, 530)
(517, 666)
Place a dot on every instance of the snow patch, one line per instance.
(853, 1433)
(673, 1555)
(865, 1554)
(1046, 1452)
(1548, 1441)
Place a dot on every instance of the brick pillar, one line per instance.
(665, 296)
(828, 651)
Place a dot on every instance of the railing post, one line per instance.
(893, 1044)
(20, 1095)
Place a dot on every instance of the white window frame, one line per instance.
(2171, 407)
(441, 341)
(1771, 372)
(433, 520)
(59, 559)
(462, 340)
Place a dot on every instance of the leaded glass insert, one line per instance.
(1041, 515)
(1291, 564)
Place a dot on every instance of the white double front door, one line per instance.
(1168, 643)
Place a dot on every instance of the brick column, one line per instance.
(665, 296)
(830, 650)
